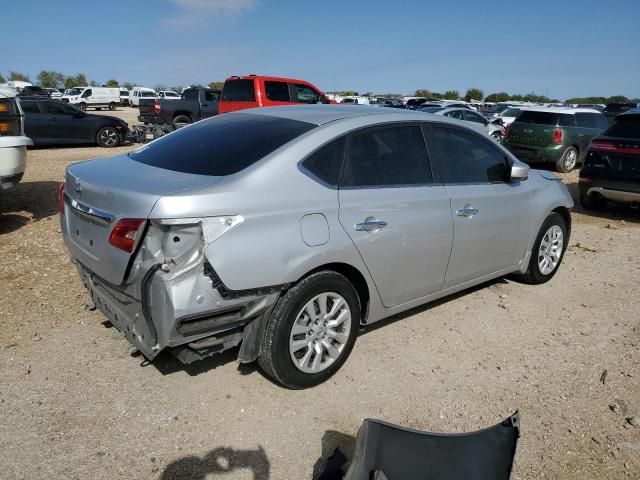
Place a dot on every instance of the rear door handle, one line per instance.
(370, 225)
(467, 211)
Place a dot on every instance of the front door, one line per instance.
(66, 124)
(398, 218)
(491, 214)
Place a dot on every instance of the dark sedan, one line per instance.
(52, 122)
(611, 169)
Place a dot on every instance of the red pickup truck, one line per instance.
(254, 91)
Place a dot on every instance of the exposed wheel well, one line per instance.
(178, 114)
(566, 216)
(355, 277)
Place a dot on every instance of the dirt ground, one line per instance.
(75, 404)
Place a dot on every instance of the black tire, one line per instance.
(534, 275)
(112, 106)
(181, 121)
(568, 161)
(99, 108)
(108, 137)
(82, 106)
(275, 358)
(592, 202)
(497, 136)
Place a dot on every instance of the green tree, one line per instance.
(423, 92)
(18, 77)
(160, 87)
(178, 89)
(497, 97)
(112, 83)
(451, 95)
(474, 94)
(2, 79)
(216, 85)
(78, 80)
(128, 85)
(618, 99)
(50, 79)
(93, 83)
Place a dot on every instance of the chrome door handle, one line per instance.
(467, 211)
(370, 225)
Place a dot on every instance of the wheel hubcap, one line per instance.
(320, 333)
(570, 160)
(109, 137)
(550, 250)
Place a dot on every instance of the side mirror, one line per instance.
(519, 172)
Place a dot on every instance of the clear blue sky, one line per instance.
(563, 48)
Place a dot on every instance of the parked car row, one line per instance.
(13, 141)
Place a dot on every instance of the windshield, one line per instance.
(75, 91)
(497, 108)
(220, 145)
(171, 94)
(511, 112)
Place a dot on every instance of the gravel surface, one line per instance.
(75, 404)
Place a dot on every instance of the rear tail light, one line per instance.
(602, 146)
(156, 106)
(61, 198)
(506, 130)
(557, 136)
(125, 233)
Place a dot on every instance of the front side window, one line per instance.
(457, 114)
(191, 94)
(306, 94)
(386, 157)
(59, 108)
(211, 96)
(30, 107)
(470, 116)
(222, 145)
(325, 162)
(277, 91)
(466, 158)
(87, 93)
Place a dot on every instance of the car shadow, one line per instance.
(39, 199)
(610, 211)
(219, 461)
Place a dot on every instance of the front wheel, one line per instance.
(497, 136)
(548, 250)
(82, 106)
(593, 201)
(108, 137)
(311, 332)
(568, 161)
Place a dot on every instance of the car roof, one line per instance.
(568, 110)
(266, 77)
(324, 114)
(633, 111)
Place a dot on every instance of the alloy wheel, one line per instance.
(109, 137)
(320, 332)
(550, 250)
(570, 159)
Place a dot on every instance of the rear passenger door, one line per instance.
(277, 93)
(491, 214)
(397, 216)
(35, 122)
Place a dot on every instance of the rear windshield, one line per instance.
(238, 91)
(618, 107)
(624, 127)
(221, 145)
(546, 118)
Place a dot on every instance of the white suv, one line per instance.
(13, 143)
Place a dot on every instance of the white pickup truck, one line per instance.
(13, 143)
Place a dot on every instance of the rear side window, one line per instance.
(567, 120)
(470, 116)
(238, 91)
(386, 157)
(30, 107)
(222, 145)
(466, 158)
(542, 118)
(585, 120)
(622, 127)
(210, 96)
(277, 91)
(325, 162)
(600, 120)
(190, 94)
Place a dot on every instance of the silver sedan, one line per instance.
(284, 230)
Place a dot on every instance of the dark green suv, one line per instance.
(557, 135)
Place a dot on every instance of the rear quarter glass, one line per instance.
(239, 90)
(220, 146)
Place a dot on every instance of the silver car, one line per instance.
(284, 230)
(492, 128)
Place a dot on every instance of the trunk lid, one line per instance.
(531, 134)
(100, 192)
(146, 106)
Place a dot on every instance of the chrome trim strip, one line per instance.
(93, 214)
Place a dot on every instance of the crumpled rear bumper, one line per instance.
(184, 313)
